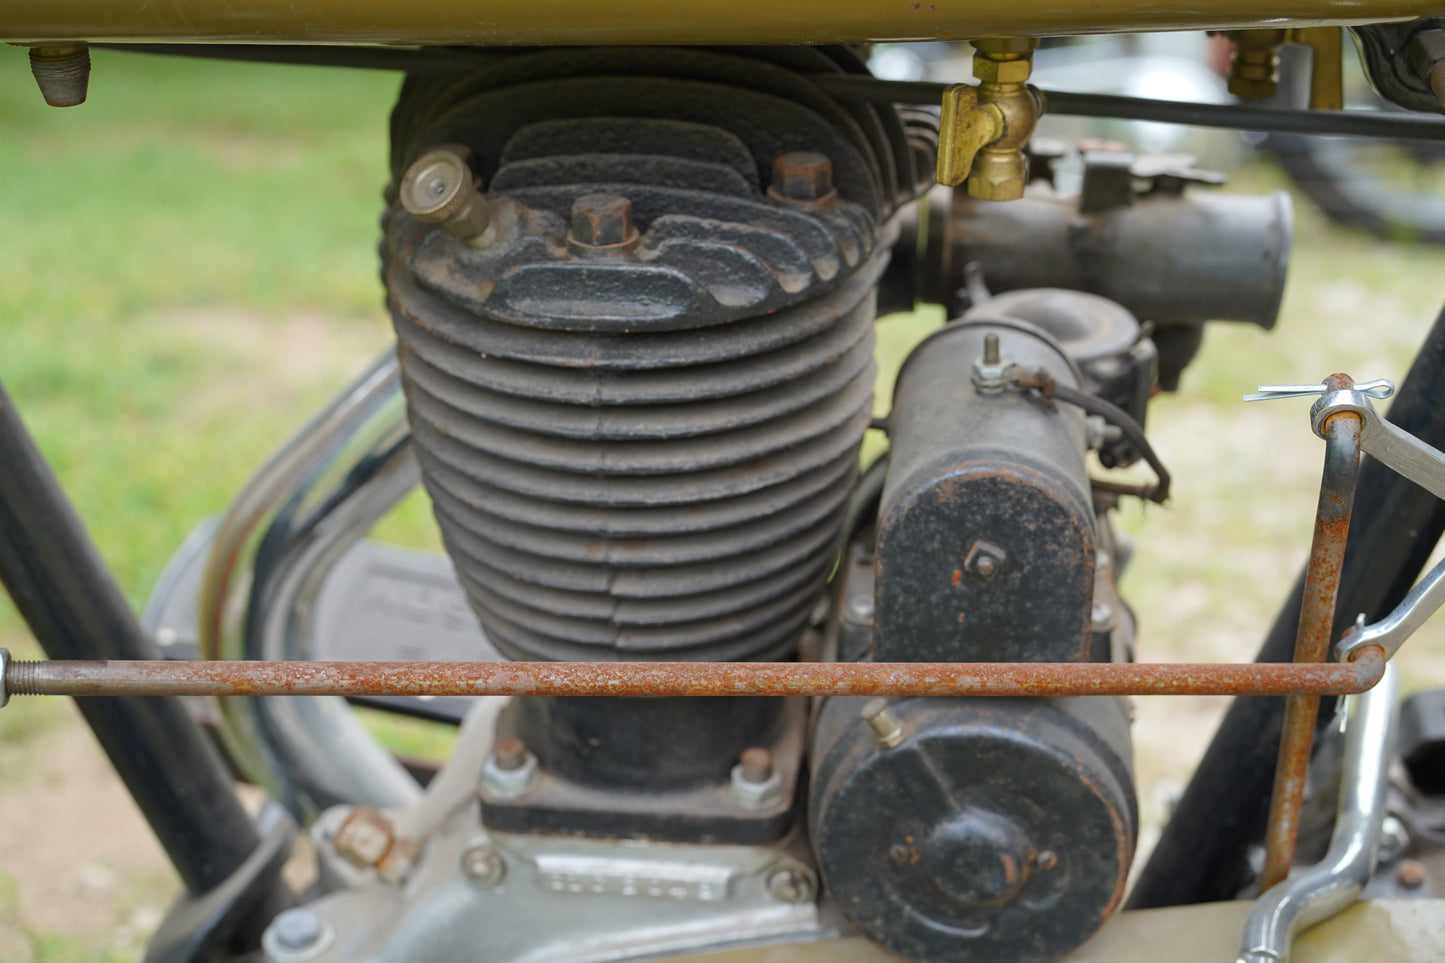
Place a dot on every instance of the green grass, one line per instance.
(188, 270)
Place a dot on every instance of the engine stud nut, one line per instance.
(601, 220)
(510, 754)
(510, 771)
(439, 188)
(756, 782)
(803, 176)
(757, 764)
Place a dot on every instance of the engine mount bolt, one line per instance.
(602, 220)
(884, 723)
(483, 866)
(990, 349)
(802, 175)
(510, 754)
(792, 884)
(62, 71)
(440, 188)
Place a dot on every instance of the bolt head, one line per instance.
(296, 929)
(602, 220)
(984, 559)
(482, 865)
(802, 175)
(364, 838)
(792, 884)
(1001, 71)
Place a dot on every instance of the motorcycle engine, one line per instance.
(634, 294)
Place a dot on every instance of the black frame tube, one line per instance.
(1203, 853)
(76, 610)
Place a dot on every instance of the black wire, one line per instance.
(1050, 390)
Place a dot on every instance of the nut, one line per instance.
(756, 782)
(984, 559)
(364, 838)
(998, 176)
(1254, 72)
(802, 175)
(993, 71)
(602, 220)
(504, 775)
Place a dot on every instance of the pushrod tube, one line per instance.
(1203, 854)
(75, 609)
(1038, 679)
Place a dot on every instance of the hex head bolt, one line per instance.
(601, 224)
(803, 177)
(439, 188)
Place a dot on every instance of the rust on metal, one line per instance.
(1312, 644)
(228, 678)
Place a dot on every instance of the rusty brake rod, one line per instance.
(222, 678)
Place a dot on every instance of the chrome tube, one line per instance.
(299, 513)
(1336, 882)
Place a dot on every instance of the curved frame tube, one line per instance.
(299, 513)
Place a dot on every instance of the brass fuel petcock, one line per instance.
(983, 129)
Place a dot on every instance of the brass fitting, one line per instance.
(439, 188)
(1254, 72)
(983, 129)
